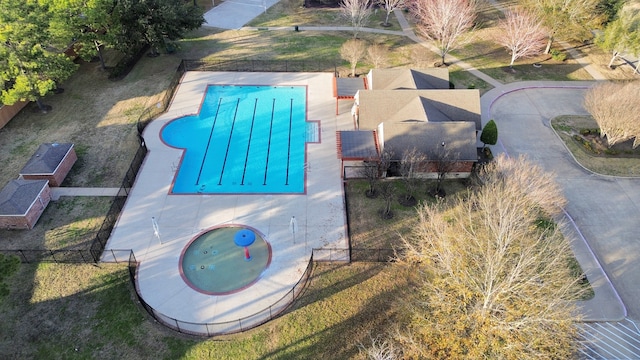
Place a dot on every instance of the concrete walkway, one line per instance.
(57, 192)
(233, 14)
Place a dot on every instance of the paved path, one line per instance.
(233, 14)
(57, 192)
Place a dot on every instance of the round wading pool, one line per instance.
(216, 262)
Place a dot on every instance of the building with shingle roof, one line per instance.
(52, 162)
(22, 202)
(408, 109)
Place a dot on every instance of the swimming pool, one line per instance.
(245, 139)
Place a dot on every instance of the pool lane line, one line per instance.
(289, 144)
(266, 166)
(206, 150)
(246, 158)
(233, 124)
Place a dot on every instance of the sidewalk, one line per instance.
(57, 192)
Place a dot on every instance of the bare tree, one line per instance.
(371, 172)
(386, 157)
(492, 282)
(353, 50)
(378, 55)
(381, 348)
(615, 107)
(389, 6)
(387, 191)
(410, 164)
(357, 12)
(522, 34)
(444, 21)
(567, 19)
(444, 161)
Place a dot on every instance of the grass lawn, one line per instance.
(620, 160)
(367, 228)
(291, 13)
(88, 312)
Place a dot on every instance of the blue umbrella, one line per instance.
(245, 238)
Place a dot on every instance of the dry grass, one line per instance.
(307, 46)
(368, 230)
(74, 311)
(625, 164)
(94, 113)
(69, 223)
(291, 13)
(83, 311)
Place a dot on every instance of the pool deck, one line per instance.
(320, 213)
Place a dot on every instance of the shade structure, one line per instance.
(244, 237)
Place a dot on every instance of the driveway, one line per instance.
(606, 210)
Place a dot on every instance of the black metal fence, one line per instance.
(98, 239)
(229, 327)
(372, 255)
(111, 218)
(246, 65)
(151, 112)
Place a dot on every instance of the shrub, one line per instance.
(489, 133)
(558, 55)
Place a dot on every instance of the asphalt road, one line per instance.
(605, 209)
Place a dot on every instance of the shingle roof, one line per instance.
(427, 137)
(348, 87)
(46, 159)
(18, 195)
(357, 145)
(377, 106)
(394, 79)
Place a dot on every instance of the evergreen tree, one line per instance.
(489, 133)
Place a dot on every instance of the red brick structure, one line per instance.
(7, 112)
(22, 202)
(50, 162)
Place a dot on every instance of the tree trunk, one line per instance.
(549, 43)
(613, 58)
(100, 56)
(386, 19)
(43, 108)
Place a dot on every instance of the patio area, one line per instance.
(319, 212)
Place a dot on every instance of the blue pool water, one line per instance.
(245, 139)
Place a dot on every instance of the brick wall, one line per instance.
(7, 112)
(29, 220)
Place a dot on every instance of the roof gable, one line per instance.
(18, 195)
(377, 106)
(410, 79)
(46, 159)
